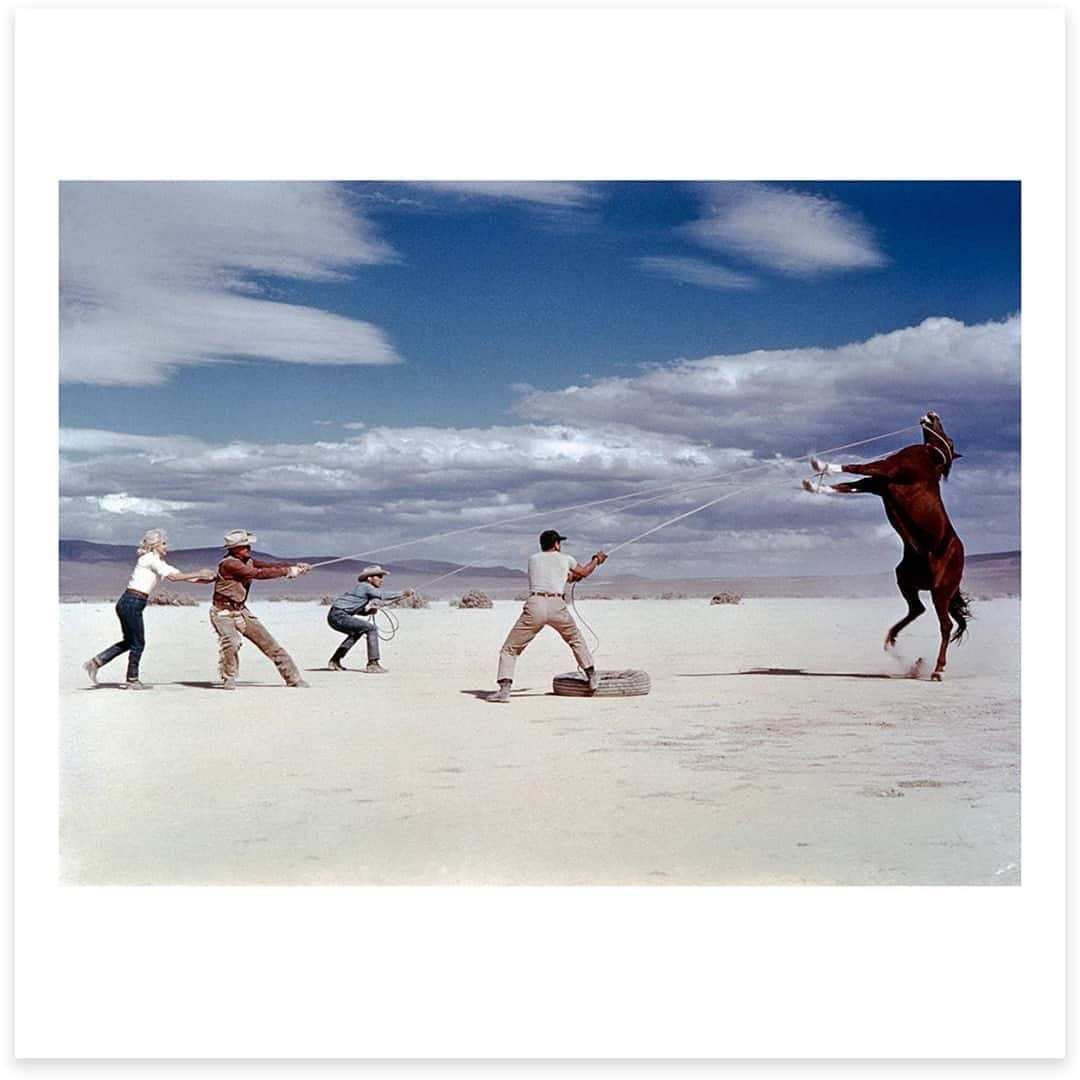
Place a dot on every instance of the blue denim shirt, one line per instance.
(356, 600)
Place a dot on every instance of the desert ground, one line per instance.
(779, 745)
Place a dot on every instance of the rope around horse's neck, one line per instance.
(947, 452)
(665, 488)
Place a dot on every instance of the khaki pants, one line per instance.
(232, 627)
(538, 612)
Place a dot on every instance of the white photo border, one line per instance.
(527, 93)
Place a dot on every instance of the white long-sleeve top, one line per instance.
(150, 570)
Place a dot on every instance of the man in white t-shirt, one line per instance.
(549, 571)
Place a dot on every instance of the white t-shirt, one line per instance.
(149, 572)
(548, 571)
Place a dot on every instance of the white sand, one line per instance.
(715, 777)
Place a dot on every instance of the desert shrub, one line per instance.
(474, 598)
(326, 601)
(636, 596)
(672, 596)
(726, 598)
(414, 601)
(522, 596)
(171, 599)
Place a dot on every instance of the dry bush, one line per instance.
(414, 601)
(326, 601)
(474, 598)
(171, 599)
(672, 596)
(726, 598)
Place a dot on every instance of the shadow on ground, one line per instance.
(795, 671)
(483, 695)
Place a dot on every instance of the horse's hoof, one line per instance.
(936, 677)
(807, 486)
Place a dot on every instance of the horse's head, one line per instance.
(935, 437)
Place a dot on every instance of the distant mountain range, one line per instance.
(95, 571)
(86, 551)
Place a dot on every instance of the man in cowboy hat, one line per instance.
(348, 615)
(229, 614)
(549, 571)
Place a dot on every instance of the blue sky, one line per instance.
(348, 365)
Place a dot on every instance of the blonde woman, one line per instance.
(150, 570)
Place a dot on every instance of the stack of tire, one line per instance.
(626, 683)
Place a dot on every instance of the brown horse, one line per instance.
(909, 485)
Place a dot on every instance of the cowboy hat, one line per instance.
(239, 538)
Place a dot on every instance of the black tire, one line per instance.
(626, 683)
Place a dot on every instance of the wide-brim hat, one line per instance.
(372, 571)
(239, 538)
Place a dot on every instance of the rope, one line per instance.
(665, 488)
(391, 621)
(641, 497)
(671, 521)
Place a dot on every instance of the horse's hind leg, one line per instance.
(941, 598)
(908, 584)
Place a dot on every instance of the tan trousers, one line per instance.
(232, 627)
(538, 612)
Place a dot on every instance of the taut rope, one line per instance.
(662, 489)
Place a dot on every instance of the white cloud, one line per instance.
(122, 503)
(794, 400)
(158, 275)
(695, 272)
(784, 230)
(671, 426)
(550, 193)
(388, 486)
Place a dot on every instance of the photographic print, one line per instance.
(553, 533)
(542, 567)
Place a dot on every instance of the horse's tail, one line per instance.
(960, 610)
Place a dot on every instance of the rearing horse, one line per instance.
(909, 485)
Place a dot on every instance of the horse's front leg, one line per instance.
(886, 467)
(871, 486)
(877, 475)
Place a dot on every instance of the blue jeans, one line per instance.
(356, 627)
(129, 610)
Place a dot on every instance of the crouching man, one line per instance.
(549, 572)
(229, 614)
(353, 614)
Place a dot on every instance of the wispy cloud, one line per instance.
(784, 230)
(549, 193)
(155, 276)
(695, 272)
